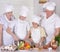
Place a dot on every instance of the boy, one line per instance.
(20, 28)
(37, 32)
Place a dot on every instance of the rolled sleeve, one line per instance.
(57, 23)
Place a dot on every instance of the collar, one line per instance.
(51, 17)
(7, 19)
(19, 20)
(37, 27)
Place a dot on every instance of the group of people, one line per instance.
(43, 28)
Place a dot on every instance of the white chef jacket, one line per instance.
(7, 38)
(50, 24)
(20, 28)
(37, 34)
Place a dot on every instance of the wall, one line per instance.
(17, 4)
(57, 6)
(38, 7)
(35, 7)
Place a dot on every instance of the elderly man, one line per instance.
(5, 19)
(51, 21)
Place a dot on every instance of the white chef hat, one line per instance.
(8, 8)
(36, 19)
(50, 6)
(24, 11)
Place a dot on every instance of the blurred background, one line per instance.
(34, 6)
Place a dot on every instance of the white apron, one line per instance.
(21, 29)
(35, 34)
(7, 38)
(50, 24)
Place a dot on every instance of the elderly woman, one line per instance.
(51, 21)
(5, 19)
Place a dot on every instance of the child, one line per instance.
(20, 28)
(37, 32)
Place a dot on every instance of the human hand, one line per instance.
(1, 44)
(16, 38)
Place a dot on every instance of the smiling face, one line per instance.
(22, 18)
(9, 15)
(48, 13)
(35, 25)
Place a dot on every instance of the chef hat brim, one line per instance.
(24, 11)
(36, 19)
(49, 5)
(8, 8)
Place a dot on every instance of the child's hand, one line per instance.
(1, 43)
(37, 45)
(30, 39)
(25, 38)
(42, 39)
(16, 38)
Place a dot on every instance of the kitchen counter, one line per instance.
(32, 51)
(35, 50)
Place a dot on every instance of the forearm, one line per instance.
(57, 31)
(1, 40)
(1, 35)
(28, 35)
(12, 34)
(43, 38)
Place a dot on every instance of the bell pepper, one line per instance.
(57, 38)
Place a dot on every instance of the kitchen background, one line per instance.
(33, 5)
